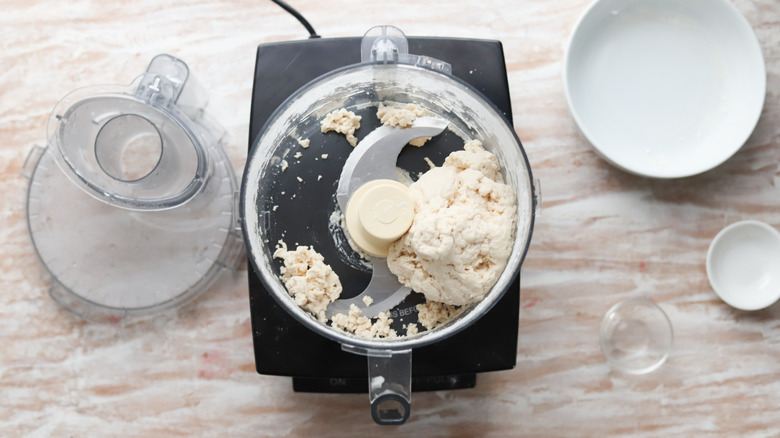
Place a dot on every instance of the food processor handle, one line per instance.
(395, 411)
(387, 44)
(390, 386)
(389, 383)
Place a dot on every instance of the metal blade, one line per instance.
(384, 289)
(374, 158)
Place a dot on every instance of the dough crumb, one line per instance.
(298, 155)
(402, 116)
(412, 329)
(419, 141)
(462, 234)
(356, 323)
(299, 178)
(324, 156)
(344, 122)
(432, 313)
(284, 165)
(399, 115)
(319, 177)
(313, 286)
(304, 142)
(312, 283)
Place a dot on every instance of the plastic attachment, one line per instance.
(136, 148)
(374, 159)
(378, 214)
(537, 197)
(32, 160)
(163, 163)
(389, 384)
(384, 289)
(388, 44)
(375, 156)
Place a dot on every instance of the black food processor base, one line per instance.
(283, 346)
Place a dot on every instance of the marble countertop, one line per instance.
(603, 236)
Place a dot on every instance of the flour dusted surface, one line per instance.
(462, 234)
(312, 283)
(344, 122)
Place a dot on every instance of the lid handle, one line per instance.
(163, 81)
(143, 147)
(387, 44)
(167, 82)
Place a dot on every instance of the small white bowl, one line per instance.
(664, 88)
(743, 265)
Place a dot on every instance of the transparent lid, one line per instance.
(136, 147)
(131, 207)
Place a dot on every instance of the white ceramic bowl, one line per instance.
(743, 265)
(664, 88)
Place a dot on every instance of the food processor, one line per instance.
(131, 206)
(292, 194)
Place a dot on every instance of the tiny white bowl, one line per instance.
(743, 265)
(664, 88)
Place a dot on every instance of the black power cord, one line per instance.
(296, 14)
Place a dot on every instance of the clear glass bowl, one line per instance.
(636, 336)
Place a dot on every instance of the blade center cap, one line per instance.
(385, 211)
(379, 213)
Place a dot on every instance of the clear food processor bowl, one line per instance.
(387, 74)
